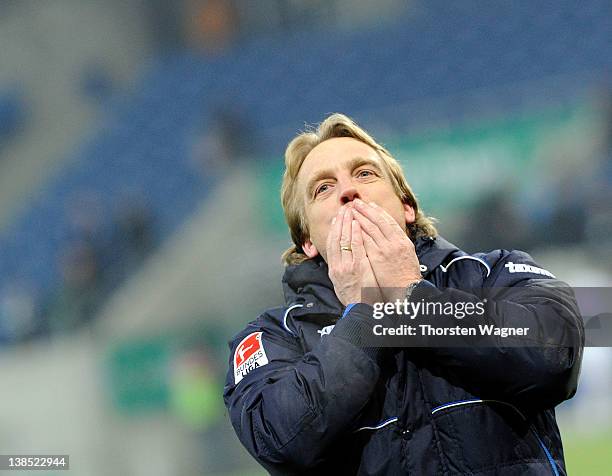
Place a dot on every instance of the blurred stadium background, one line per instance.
(141, 149)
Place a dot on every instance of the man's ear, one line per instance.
(409, 214)
(310, 249)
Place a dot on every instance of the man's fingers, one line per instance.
(333, 238)
(357, 245)
(370, 228)
(394, 227)
(379, 216)
(369, 245)
(345, 238)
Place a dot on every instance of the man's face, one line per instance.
(336, 172)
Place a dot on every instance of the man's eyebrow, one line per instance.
(353, 164)
(357, 162)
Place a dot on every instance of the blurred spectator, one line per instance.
(86, 215)
(165, 20)
(195, 386)
(100, 253)
(212, 24)
(494, 223)
(97, 83)
(196, 381)
(304, 13)
(227, 139)
(555, 196)
(133, 236)
(569, 214)
(80, 293)
(266, 16)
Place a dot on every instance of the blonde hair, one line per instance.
(338, 125)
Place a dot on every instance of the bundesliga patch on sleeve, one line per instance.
(249, 355)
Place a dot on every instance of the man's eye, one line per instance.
(365, 173)
(322, 188)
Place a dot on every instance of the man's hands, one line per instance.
(391, 253)
(381, 255)
(349, 268)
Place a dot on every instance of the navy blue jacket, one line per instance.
(305, 398)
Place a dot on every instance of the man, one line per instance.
(306, 397)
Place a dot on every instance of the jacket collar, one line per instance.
(308, 283)
(432, 252)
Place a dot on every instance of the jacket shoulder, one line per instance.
(262, 342)
(511, 267)
(271, 322)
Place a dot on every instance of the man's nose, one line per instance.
(349, 193)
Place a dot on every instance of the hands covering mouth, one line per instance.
(367, 248)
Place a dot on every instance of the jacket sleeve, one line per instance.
(538, 372)
(288, 411)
